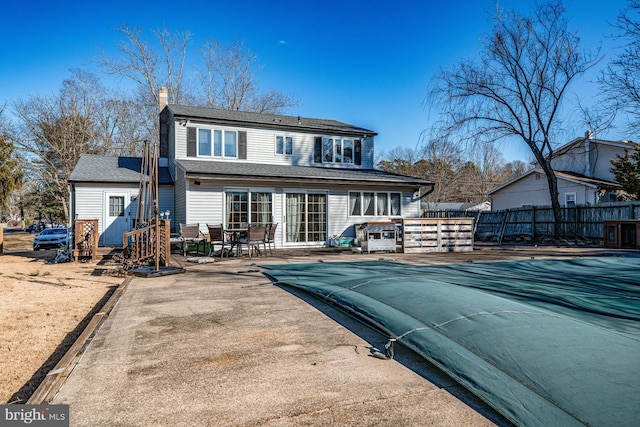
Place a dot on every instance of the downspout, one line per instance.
(422, 196)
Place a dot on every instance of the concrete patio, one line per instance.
(221, 345)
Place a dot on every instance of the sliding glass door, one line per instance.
(306, 217)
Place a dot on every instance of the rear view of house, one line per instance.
(314, 178)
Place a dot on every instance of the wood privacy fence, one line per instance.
(437, 235)
(536, 223)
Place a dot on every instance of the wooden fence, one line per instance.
(537, 223)
(437, 235)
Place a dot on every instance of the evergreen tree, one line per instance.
(626, 169)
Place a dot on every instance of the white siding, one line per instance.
(261, 146)
(534, 191)
(599, 158)
(204, 204)
(91, 199)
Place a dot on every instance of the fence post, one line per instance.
(533, 223)
(504, 225)
(1, 239)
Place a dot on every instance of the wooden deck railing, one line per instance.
(143, 245)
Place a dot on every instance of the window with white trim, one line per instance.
(336, 150)
(367, 203)
(243, 206)
(569, 199)
(217, 143)
(284, 145)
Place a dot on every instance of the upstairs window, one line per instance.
(206, 142)
(337, 150)
(284, 145)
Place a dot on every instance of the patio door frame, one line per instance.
(306, 242)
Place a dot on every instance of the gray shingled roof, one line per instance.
(200, 168)
(268, 120)
(95, 168)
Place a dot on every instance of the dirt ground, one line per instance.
(43, 308)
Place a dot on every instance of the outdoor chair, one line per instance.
(255, 237)
(217, 237)
(190, 234)
(270, 238)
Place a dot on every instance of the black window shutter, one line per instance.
(242, 145)
(191, 142)
(357, 152)
(164, 133)
(317, 150)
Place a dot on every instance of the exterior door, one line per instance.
(306, 217)
(117, 219)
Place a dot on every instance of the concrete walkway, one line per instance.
(220, 345)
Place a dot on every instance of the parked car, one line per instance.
(32, 228)
(51, 238)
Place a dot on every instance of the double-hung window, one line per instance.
(284, 145)
(367, 203)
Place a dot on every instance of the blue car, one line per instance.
(51, 238)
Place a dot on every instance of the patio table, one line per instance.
(235, 234)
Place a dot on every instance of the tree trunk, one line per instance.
(552, 182)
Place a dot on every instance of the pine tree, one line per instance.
(626, 169)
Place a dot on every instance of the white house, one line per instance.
(313, 177)
(583, 171)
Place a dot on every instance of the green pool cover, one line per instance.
(544, 342)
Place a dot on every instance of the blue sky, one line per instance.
(367, 63)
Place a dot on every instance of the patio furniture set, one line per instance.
(251, 236)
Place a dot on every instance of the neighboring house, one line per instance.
(583, 171)
(315, 178)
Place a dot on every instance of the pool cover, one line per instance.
(544, 342)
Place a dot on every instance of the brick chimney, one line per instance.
(163, 97)
(588, 170)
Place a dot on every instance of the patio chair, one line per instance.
(255, 237)
(270, 238)
(217, 237)
(190, 234)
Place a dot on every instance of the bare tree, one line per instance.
(620, 80)
(10, 171)
(517, 87)
(228, 80)
(151, 68)
(53, 132)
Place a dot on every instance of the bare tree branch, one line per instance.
(518, 85)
